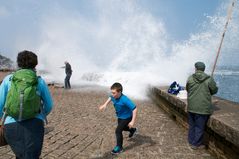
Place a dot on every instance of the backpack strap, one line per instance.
(3, 119)
(10, 79)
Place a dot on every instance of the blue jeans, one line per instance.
(197, 124)
(25, 138)
(67, 81)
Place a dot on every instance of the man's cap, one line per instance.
(200, 66)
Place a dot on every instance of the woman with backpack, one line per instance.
(25, 101)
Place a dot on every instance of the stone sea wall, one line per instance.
(222, 132)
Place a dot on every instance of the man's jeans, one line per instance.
(197, 124)
(67, 81)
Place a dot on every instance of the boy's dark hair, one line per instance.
(27, 60)
(117, 86)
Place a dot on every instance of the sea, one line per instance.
(227, 78)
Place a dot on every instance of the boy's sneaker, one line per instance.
(133, 133)
(117, 150)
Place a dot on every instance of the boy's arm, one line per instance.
(133, 107)
(131, 124)
(105, 104)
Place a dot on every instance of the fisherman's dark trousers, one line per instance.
(197, 124)
(122, 126)
(25, 138)
(67, 81)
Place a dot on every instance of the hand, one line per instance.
(131, 124)
(186, 109)
(102, 107)
(215, 102)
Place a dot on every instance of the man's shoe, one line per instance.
(117, 150)
(193, 147)
(133, 133)
(201, 147)
(197, 147)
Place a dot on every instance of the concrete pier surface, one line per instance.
(76, 129)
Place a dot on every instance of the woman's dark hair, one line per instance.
(117, 86)
(27, 60)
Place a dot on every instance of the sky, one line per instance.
(21, 19)
(156, 41)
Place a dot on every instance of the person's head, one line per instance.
(116, 90)
(27, 60)
(200, 66)
(66, 62)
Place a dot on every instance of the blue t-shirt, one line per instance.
(123, 106)
(42, 88)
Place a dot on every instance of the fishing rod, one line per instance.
(229, 16)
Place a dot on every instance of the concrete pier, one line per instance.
(77, 130)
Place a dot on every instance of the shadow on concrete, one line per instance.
(138, 140)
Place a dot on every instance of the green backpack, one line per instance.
(22, 101)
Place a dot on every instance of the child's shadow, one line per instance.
(138, 140)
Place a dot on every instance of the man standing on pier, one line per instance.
(68, 72)
(200, 88)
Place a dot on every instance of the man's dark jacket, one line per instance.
(200, 88)
(68, 69)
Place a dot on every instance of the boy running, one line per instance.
(126, 112)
